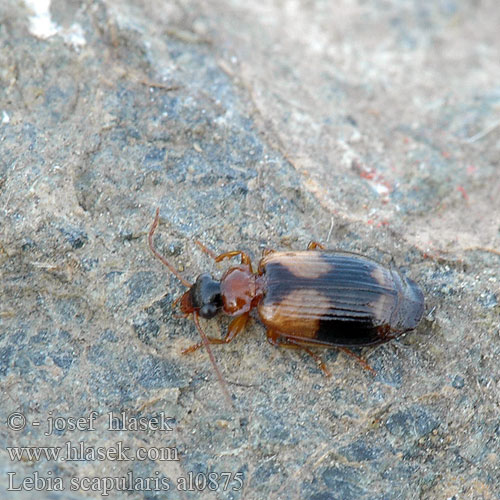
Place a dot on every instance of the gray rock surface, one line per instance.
(370, 126)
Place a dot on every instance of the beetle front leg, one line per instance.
(245, 259)
(235, 327)
(195, 347)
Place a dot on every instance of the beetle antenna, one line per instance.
(206, 343)
(171, 268)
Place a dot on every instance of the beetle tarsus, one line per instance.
(199, 345)
(235, 327)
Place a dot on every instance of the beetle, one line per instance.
(310, 298)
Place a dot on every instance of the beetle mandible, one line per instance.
(310, 298)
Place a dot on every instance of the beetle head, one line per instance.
(203, 297)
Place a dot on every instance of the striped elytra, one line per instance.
(336, 298)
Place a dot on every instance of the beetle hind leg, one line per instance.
(313, 245)
(359, 359)
(245, 259)
(278, 340)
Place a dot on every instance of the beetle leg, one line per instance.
(245, 259)
(281, 341)
(277, 339)
(265, 253)
(199, 345)
(314, 244)
(385, 333)
(176, 301)
(359, 359)
(235, 327)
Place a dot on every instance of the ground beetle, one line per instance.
(311, 298)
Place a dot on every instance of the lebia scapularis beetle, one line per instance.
(310, 298)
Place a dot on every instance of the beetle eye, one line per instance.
(208, 311)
